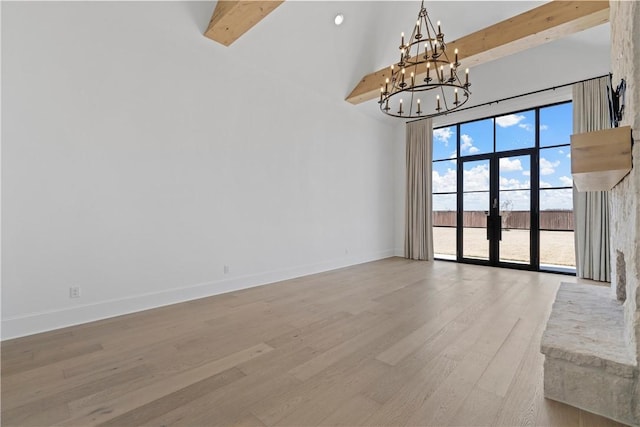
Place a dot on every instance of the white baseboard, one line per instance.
(50, 320)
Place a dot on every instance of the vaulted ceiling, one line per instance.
(299, 39)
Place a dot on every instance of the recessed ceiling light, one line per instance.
(339, 19)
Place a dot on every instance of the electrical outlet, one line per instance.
(226, 269)
(74, 292)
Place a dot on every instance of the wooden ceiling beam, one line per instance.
(548, 22)
(231, 19)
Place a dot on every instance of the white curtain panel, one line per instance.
(418, 242)
(591, 208)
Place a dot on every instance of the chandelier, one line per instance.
(425, 83)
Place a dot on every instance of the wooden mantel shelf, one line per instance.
(600, 159)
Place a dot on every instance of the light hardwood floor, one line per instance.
(393, 342)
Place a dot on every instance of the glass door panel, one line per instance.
(515, 245)
(475, 208)
(515, 209)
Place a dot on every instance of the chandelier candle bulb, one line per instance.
(441, 73)
(456, 93)
(413, 82)
(386, 86)
(438, 103)
(466, 77)
(402, 37)
(400, 107)
(451, 72)
(439, 30)
(418, 102)
(456, 52)
(381, 94)
(428, 69)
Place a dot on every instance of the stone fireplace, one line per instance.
(592, 340)
(620, 279)
(625, 197)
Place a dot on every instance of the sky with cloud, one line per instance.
(513, 131)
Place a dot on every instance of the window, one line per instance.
(444, 143)
(520, 162)
(444, 181)
(476, 137)
(515, 131)
(556, 125)
(556, 188)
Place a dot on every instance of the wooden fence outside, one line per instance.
(549, 220)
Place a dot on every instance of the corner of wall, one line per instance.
(400, 184)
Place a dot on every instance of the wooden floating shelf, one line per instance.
(600, 159)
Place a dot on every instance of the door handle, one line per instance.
(494, 227)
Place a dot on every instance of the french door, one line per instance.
(498, 215)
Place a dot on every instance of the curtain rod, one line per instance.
(520, 96)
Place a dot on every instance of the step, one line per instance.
(589, 363)
(586, 327)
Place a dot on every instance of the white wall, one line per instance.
(139, 158)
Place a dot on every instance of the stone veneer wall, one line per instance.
(625, 197)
